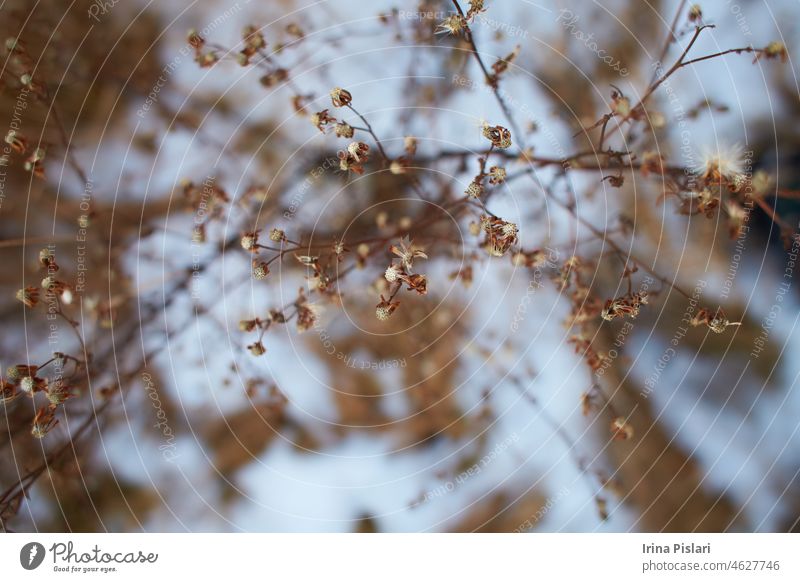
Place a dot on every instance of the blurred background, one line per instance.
(138, 158)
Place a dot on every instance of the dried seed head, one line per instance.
(29, 296)
(358, 149)
(497, 175)
(418, 283)
(249, 241)
(322, 119)
(410, 145)
(16, 141)
(776, 50)
(453, 24)
(500, 235)
(498, 135)
(257, 349)
(277, 235)
(384, 309)
(475, 8)
(58, 394)
(253, 39)
(716, 322)
(43, 422)
(474, 190)
(340, 97)
(695, 13)
(407, 253)
(247, 325)
(47, 259)
(260, 270)
(344, 130)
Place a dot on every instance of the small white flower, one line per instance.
(27, 384)
(391, 273)
(728, 161)
(510, 229)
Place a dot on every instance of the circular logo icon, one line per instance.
(31, 555)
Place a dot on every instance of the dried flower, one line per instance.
(474, 190)
(27, 384)
(498, 135)
(716, 322)
(627, 305)
(621, 429)
(43, 422)
(277, 316)
(722, 164)
(340, 97)
(253, 39)
(321, 119)
(29, 296)
(343, 129)
(776, 50)
(407, 253)
(384, 309)
(620, 104)
(18, 143)
(497, 175)
(260, 270)
(47, 259)
(257, 348)
(358, 150)
(249, 241)
(392, 273)
(277, 235)
(307, 313)
(418, 283)
(475, 8)
(695, 13)
(33, 163)
(453, 24)
(354, 157)
(410, 145)
(58, 393)
(248, 325)
(16, 373)
(500, 235)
